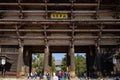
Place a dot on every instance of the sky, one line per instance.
(59, 56)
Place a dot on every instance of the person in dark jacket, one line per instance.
(40, 76)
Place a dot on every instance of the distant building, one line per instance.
(58, 63)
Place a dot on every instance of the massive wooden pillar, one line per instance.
(97, 64)
(116, 62)
(98, 60)
(72, 50)
(72, 62)
(90, 61)
(46, 60)
(98, 53)
(20, 61)
(27, 62)
(46, 52)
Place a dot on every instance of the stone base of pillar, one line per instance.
(45, 71)
(44, 77)
(18, 74)
(99, 73)
(72, 74)
(26, 71)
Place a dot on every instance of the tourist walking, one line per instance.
(40, 76)
(48, 76)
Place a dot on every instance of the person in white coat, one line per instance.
(55, 77)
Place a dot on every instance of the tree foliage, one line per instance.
(64, 64)
(80, 63)
(37, 62)
(53, 65)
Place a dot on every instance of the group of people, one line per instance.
(56, 76)
(33, 75)
(65, 75)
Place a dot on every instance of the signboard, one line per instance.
(58, 15)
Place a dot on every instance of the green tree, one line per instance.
(80, 64)
(41, 62)
(37, 62)
(53, 65)
(64, 64)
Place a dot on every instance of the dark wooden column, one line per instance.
(46, 52)
(98, 53)
(20, 61)
(72, 62)
(46, 60)
(98, 58)
(27, 62)
(90, 60)
(20, 53)
(71, 51)
(116, 62)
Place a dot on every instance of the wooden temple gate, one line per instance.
(19, 60)
(91, 26)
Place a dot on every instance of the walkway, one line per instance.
(24, 78)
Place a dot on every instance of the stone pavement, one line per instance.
(12, 78)
(25, 78)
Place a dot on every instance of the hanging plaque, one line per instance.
(58, 15)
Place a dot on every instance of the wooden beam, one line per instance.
(109, 5)
(60, 30)
(52, 20)
(58, 37)
(59, 43)
(8, 52)
(74, 11)
(114, 22)
(49, 4)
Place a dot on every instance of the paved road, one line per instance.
(24, 78)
